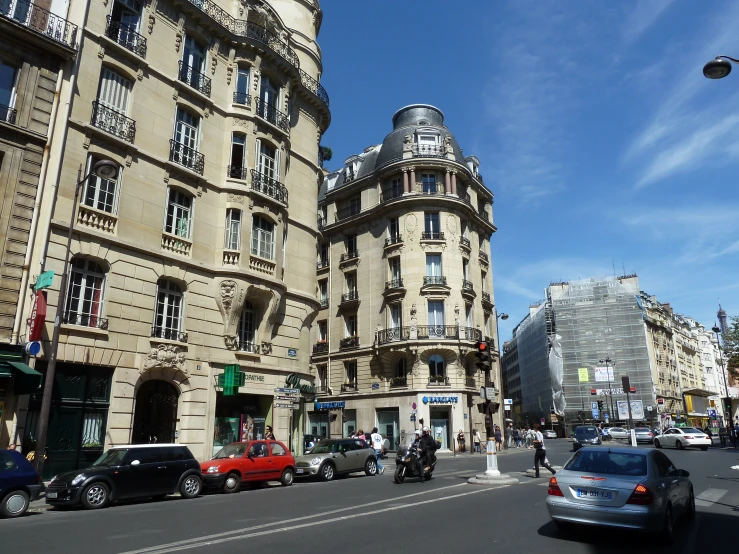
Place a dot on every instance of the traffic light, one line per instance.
(727, 405)
(482, 353)
(600, 405)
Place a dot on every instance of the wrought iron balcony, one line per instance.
(349, 387)
(467, 287)
(126, 36)
(242, 98)
(465, 242)
(320, 347)
(484, 258)
(483, 214)
(349, 342)
(324, 302)
(8, 114)
(85, 320)
(272, 115)
(429, 150)
(41, 21)
(352, 255)
(434, 280)
(186, 156)
(193, 78)
(466, 198)
(394, 284)
(322, 263)
(486, 298)
(471, 333)
(112, 122)
(432, 235)
(248, 346)
(314, 86)
(268, 186)
(432, 188)
(321, 389)
(393, 239)
(349, 211)
(237, 172)
(168, 334)
(390, 193)
(347, 297)
(398, 382)
(437, 332)
(394, 334)
(438, 380)
(469, 382)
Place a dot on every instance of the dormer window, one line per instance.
(428, 143)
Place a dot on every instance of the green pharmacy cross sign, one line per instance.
(231, 379)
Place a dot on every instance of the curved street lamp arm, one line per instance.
(728, 58)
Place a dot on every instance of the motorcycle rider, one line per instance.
(428, 447)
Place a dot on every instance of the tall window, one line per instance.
(393, 228)
(247, 328)
(168, 318)
(484, 278)
(128, 14)
(487, 325)
(267, 160)
(436, 313)
(428, 182)
(193, 57)
(351, 283)
(431, 222)
(351, 372)
(322, 377)
(400, 368)
(85, 293)
(114, 91)
(8, 88)
(396, 316)
(396, 188)
(263, 238)
(269, 92)
(238, 152)
(468, 315)
(100, 193)
(465, 269)
(323, 291)
(186, 137)
(436, 366)
(241, 95)
(433, 265)
(350, 325)
(463, 224)
(355, 205)
(233, 229)
(351, 244)
(324, 252)
(322, 331)
(395, 268)
(179, 214)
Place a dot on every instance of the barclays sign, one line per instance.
(440, 399)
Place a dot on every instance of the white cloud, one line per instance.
(644, 16)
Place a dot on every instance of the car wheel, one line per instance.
(399, 476)
(427, 477)
(370, 466)
(327, 472)
(190, 486)
(704, 448)
(668, 530)
(657, 444)
(287, 477)
(232, 484)
(95, 496)
(679, 445)
(14, 504)
(690, 511)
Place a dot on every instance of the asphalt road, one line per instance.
(360, 514)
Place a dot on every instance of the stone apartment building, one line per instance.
(405, 286)
(198, 256)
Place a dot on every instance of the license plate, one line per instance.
(594, 494)
(52, 494)
(298, 470)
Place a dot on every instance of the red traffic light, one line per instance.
(632, 389)
(482, 346)
(593, 391)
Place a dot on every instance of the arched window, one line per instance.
(263, 238)
(85, 294)
(247, 328)
(436, 367)
(169, 314)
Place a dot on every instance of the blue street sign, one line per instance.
(596, 413)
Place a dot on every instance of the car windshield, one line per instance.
(691, 430)
(611, 463)
(233, 450)
(585, 431)
(111, 457)
(323, 447)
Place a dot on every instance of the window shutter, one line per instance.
(257, 157)
(114, 91)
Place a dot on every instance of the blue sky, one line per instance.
(595, 128)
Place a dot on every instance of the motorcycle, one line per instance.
(406, 464)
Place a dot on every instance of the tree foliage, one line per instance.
(731, 347)
(324, 154)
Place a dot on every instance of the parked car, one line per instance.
(249, 462)
(332, 457)
(550, 434)
(681, 437)
(126, 472)
(643, 434)
(619, 433)
(585, 435)
(621, 487)
(19, 484)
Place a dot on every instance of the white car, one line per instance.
(682, 437)
(550, 434)
(619, 433)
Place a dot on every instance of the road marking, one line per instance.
(209, 541)
(709, 497)
(302, 518)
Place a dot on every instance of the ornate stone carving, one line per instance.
(237, 198)
(175, 95)
(229, 73)
(448, 144)
(416, 371)
(166, 356)
(231, 341)
(86, 142)
(152, 20)
(140, 74)
(456, 314)
(266, 348)
(451, 224)
(227, 291)
(433, 246)
(101, 51)
(177, 42)
(411, 222)
(129, 159)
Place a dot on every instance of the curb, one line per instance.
(493, 481)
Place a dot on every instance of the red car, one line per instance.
(249, 462)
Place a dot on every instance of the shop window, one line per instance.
(85, 294)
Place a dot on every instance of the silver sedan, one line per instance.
(621, 487)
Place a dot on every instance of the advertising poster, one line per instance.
(582, 374)
(603, 373)
(637, 410)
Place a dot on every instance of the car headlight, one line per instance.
(77, 480)
(213, 469)
(315, 461)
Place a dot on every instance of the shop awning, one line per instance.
(698, 392)
(27, 379)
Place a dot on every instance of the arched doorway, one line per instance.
(155, 418)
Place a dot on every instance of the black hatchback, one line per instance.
(126, 472)
(586, 435)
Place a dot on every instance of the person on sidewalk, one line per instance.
(540, 453)
(270, 435)
(517, 437)
(377, 444)
(498, 439)
(476, 440)
(460, 440)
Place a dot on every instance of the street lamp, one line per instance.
(609, 362)
(718, 68)
(716, 330)
(105, 169)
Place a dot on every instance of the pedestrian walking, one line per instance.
(377, 444)
(508, 436)
(540, 454)
(498, 439)
(517, 437)
(460, 440)
(269, 435)
(476, 440)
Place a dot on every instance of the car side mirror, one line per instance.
(683, 473)
(135, 463)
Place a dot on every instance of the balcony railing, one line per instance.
(349, 211)
(464, 241)
(41, 21)
(322, 263)
(168, 334)
(438, 380)
(237, 172)
(469, 382)
(467, 286)
(248, 346)
(320, 347)
(242, 98)
(272, 115)
(321, 222)
(394, 334)
(393, 239)
(434, 280)
(126, 36)
(85, 320)
(352, 255)
(321, 389)
(391, 192)
(268, 186)
(186, 156)
(349, 387)
(432, 235)
(483, 214)
(349, 342)
(484, 257)
(112, 122)
(437, 332)
(193, 78)
(352, 296)
(397, 382)
(471, 333)
(314, 86)
(486, 297)
(394, 284)
(429, 150)
(432, 188)
(466, 198)
(8, 114)
(324, 302)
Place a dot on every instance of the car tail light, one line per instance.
(689, 437)
(554, 489)
(640, 496)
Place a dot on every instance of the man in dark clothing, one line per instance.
(428, 447)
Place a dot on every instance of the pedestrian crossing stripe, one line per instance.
(709, 497)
